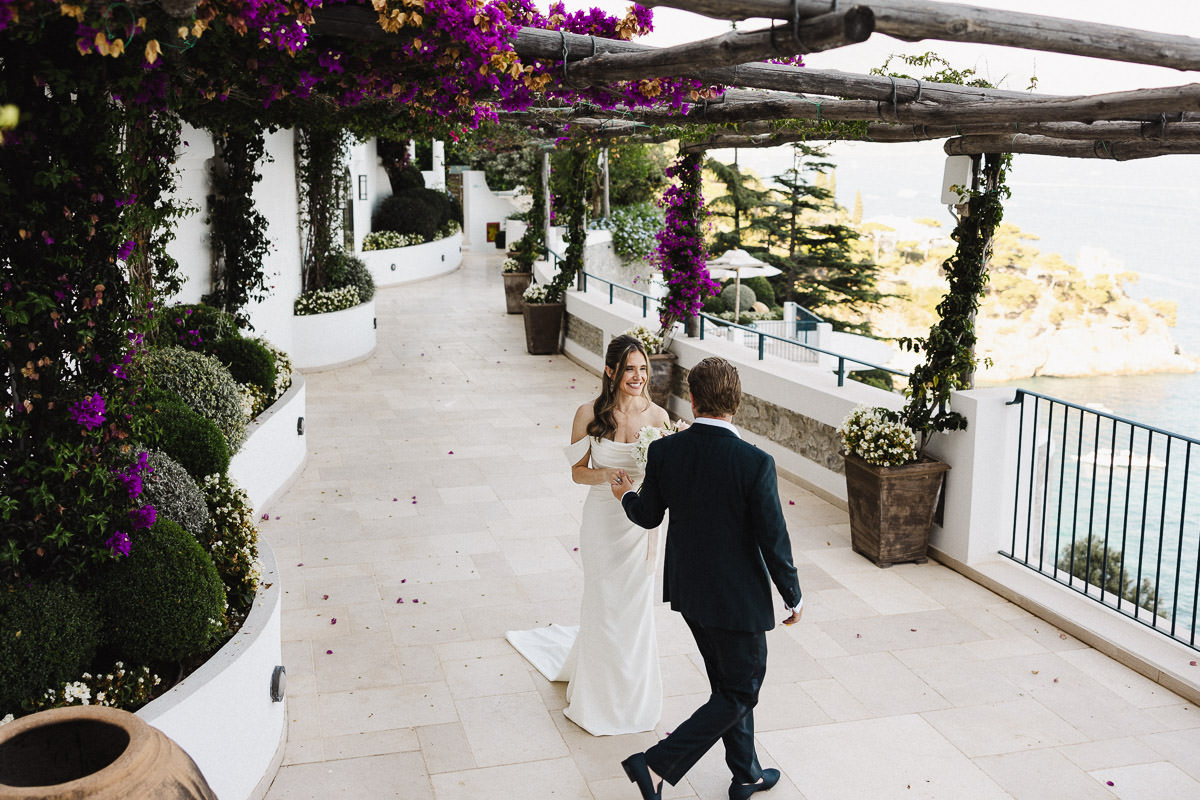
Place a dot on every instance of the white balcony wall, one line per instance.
(481, 205)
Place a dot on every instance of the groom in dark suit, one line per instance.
(726, 544)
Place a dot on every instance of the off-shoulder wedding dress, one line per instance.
(611, 659)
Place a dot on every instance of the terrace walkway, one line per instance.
(436, 512)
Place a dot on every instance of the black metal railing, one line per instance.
(764, 343)
(1108, 507)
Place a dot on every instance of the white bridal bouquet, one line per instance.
(648, 434)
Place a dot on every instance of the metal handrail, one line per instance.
(763, 336)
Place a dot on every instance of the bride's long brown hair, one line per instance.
(604, 424)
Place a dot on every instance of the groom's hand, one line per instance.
(621, 485)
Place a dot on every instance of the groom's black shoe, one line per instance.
(741, 791)
(639, 773)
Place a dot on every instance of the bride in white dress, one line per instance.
(611, 659)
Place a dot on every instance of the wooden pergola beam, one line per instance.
(824, 32)
(915, 20)
(1046, 146)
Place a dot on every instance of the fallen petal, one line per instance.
(333, 620)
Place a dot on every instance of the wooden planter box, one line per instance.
(891, 508)
(515, 284)
(543, 327)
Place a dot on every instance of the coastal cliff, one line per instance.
(1040, 317)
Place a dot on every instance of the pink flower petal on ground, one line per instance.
(399, 599)
(1110, 783)
(394, 499)
(301, 564)
(333, 620)
(414, 502)
(404, 580)
(415, 600)
(576, 549)
(791, 502)
(450, 453)
(324, 597)
(266, 516)
(1193, 663)
(328, 652)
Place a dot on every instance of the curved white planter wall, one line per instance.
(222, 714)
(329, 340)
(274, 450)
(415, 263)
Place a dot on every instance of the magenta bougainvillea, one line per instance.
(679, 253)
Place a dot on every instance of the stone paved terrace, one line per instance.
(436, 512)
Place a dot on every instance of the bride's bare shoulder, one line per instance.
(583, 417)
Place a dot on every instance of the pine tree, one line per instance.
(736, 205)
(821, 268)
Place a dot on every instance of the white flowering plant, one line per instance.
(877, 436)
(649, 434)
(651, 340)
(512, 265)
(128, 689)
(542, 293)
(324, 301)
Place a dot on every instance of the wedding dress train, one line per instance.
(611, 659)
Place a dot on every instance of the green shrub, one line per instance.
(283, 370)
(204, 385)
(193, 326)
(404, 178)
(193, 441)
(745, 300)
(174, 493)
(715, 305)
(419, 211)
(231, 540)
(345, 269)
(762, 289)
(247, 361)
(48, 635)
(164, 601)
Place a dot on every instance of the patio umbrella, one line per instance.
(737, 264)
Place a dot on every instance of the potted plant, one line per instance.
(543, 309)
(661, 361)
(892, 484)
(891, 487)
(517, 277)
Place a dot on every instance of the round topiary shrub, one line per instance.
(164, 601)
(174, 493)
(714, 305)
(404, 178)
(204, 384)
(419, 211)
(763, 291)
(48, 635)
(746, 299)
(193, 326)
(193, 441)
(344, 269)
(247, 361)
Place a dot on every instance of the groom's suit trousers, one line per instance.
(736, 662)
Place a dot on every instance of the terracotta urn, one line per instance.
(96, 753)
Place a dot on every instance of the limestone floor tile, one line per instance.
(1117, 752)
(619, 789)
(1182, 748)
(681, 675)
(530, 556)
(429, 568)
(949, 588)
(555, 777)
(833, 699)
(786, 705)
(445, 748)
(525, 528)
(412, 623)
(303, 751)
(371, 743)
(366, 710)
(599, 757)
(1031, 774)
(1007, 727)
(360, 661)
(395, 775)
(565, 584)
(509, 729)
(815, 641)
(459, 495)
(314, 623)
(903, 631)
(483, 676)
(835, 605)
(321, 590)
(882, 684)
(1148, 781)
(1134, 688)
(888, 593)
(889, 757)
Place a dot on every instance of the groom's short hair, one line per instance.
(715, 387)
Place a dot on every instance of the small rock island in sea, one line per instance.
(1041, 316)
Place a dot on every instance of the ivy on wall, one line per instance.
(323, 184)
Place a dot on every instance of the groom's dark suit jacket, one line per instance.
(726, 540)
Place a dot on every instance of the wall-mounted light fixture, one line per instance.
(299, 426)
(362, 187)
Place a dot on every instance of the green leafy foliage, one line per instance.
(239, 229)
(165, 600)
(174, 493)
(247, 361)
(190, 439)
(634, 228)
(320, 152)
(231, 541)
(346, 269)
(1105, 566)
(420, 211)
(194, 326)
(204, 385)
(49, 632)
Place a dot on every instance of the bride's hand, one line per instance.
(612, 475)
(622, 485)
